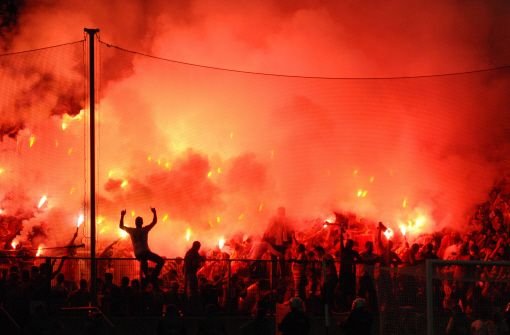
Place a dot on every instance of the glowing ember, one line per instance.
(43, 200)
(165, 217)
(388, 233)
(261, 207)
(124, 183)
(221, 242)
(14, 243)
(81, 219)
(39, 250)
(209, 174)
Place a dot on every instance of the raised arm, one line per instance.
(154, 219)
(121, 224)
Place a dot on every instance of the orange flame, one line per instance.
(39, 250)
(188, 234)
(14, 243)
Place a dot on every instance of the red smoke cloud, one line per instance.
(218, 151)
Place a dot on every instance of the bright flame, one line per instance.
(165, 217)
(31, 141)
(67, 119)
(122, 234)
(81, 219)
(221, 242)
(209, 174)
(330, 219)
(361, 193)
(39, 250)
(388, 233)
(403, 229)
(124, 183)
(14, 243)
(188, 234)
(325, 226)
(43, 200)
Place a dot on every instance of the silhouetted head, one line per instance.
(369, 246)
(139, 222)
(196, 245)
(296, 304)
(349, 244)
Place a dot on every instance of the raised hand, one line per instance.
(123, 212)
(153, 210)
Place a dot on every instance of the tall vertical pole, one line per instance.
(92, 106)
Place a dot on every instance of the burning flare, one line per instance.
(81, 219)
(188, 234)
(39, 250)
(14, 243)
(221, 242)
(388, 233)
(43, 200)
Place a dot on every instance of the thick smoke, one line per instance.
(217, 152)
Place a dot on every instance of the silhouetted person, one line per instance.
(359, 321)
(139, 238)
(192, 263)
(171, 323)
(261, 324)
(295, 322)
(347, 273)
(279, 237)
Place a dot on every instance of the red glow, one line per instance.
(216, 152)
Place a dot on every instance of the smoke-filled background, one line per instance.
(217, 152)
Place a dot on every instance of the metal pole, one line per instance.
(430, 296)
(92, 104)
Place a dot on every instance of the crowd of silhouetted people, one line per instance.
(372, 285)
